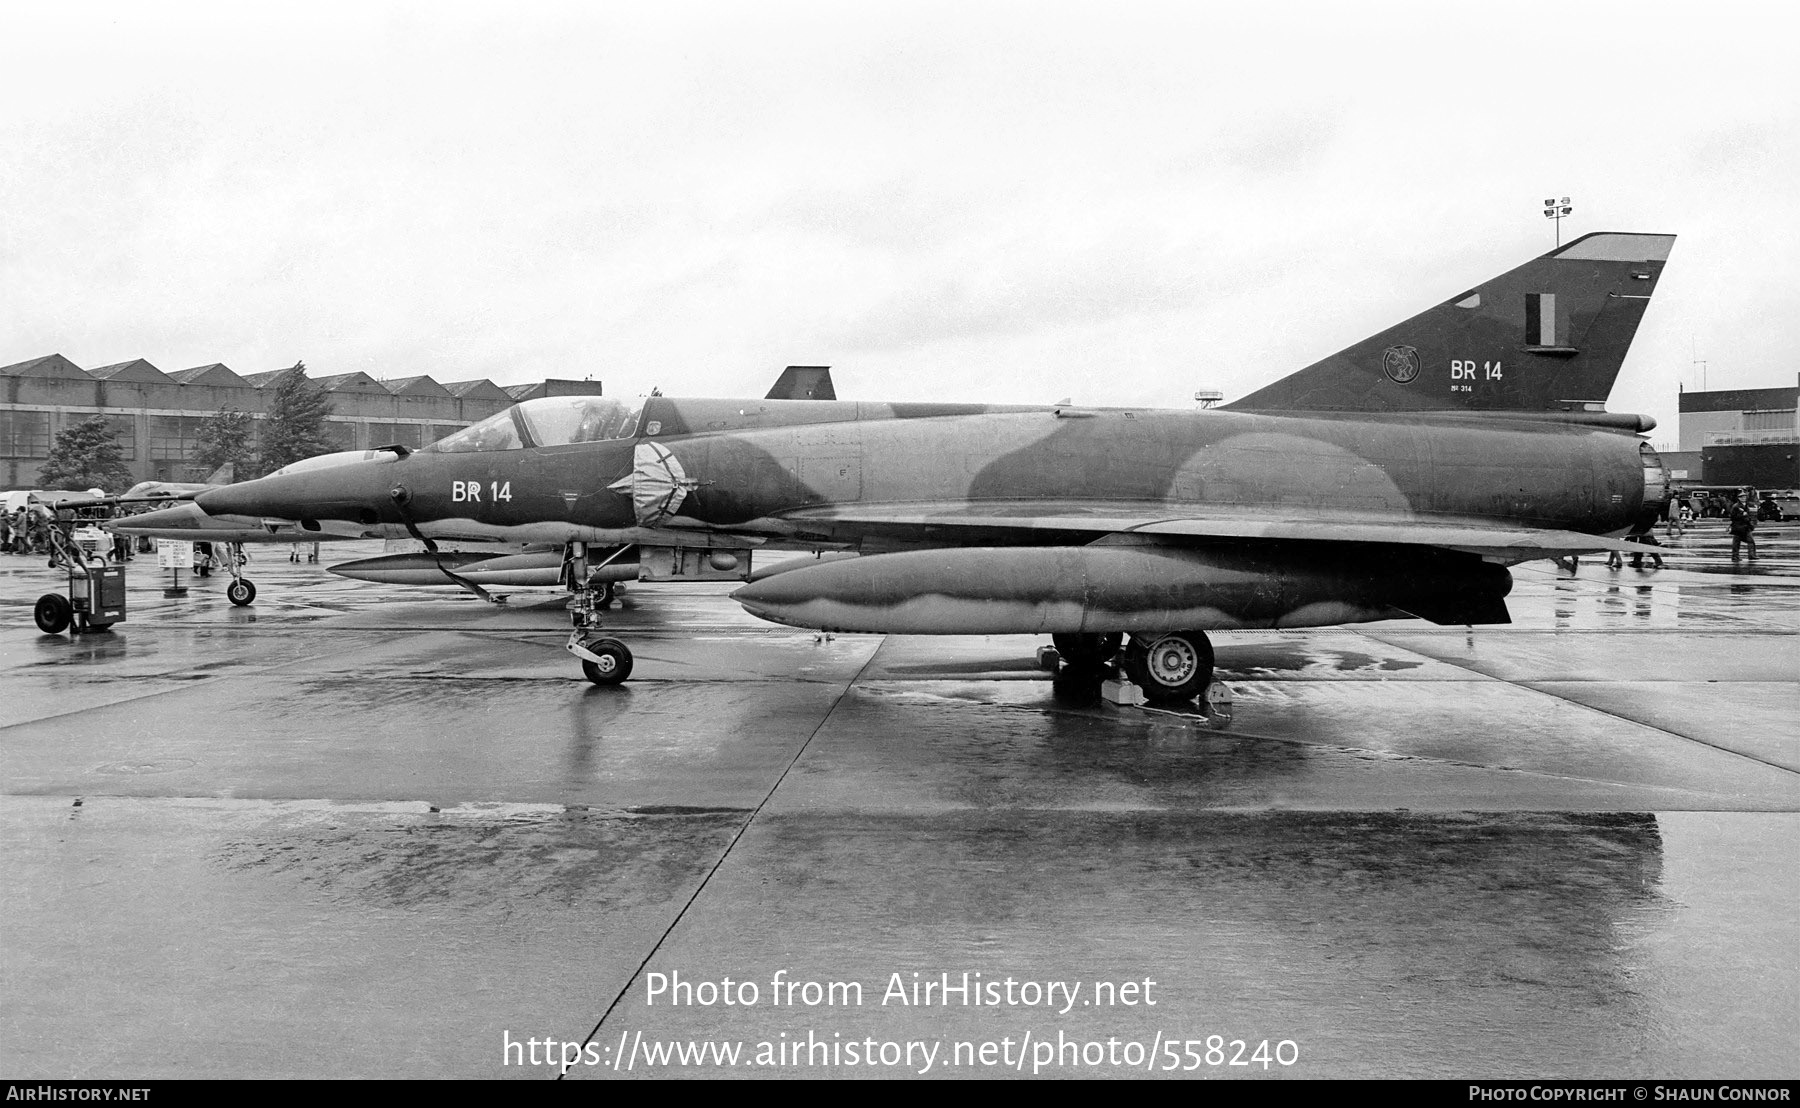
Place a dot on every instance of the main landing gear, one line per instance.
(1169, 668)
(604, 660)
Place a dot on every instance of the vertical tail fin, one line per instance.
(1548, 336)
(803, 382)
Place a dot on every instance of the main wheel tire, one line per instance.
(608, 593)
(240, 592)
(53, 613)
(614, 665)
(1175, 667)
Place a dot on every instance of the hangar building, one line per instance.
(157, 415)
(1736, 437)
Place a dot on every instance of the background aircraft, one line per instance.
(187, 522)
(1398, 477)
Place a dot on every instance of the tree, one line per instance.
(86, 456)
(224, 440)
(296, 425)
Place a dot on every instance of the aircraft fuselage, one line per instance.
(755, 480)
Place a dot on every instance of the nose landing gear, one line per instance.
(604, 660)
(240, 592)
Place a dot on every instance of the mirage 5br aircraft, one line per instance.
(1398, 477)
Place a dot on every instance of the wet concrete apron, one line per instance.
(362, 830)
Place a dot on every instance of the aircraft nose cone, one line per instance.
(770, 590)
(244, 499)
(185, 516)
(348, 492)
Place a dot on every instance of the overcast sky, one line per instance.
(979, 200)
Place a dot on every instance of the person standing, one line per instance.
(1743, 524)
(1648, 538)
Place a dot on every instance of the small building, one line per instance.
(1738, 437)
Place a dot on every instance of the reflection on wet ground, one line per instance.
(1384, 943)
(371, 831)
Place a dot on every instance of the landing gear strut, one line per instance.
(605, 661)
(1087, 651)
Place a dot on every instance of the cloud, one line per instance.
(962, 197)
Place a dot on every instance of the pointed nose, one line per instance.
(355, 492)
(183, 517)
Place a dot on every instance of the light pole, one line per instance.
(1556, 209)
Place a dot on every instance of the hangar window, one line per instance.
(124, 429)
(175, 438)
(24, 434)
(405, 434)
(341, 434)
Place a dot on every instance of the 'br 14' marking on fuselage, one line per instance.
(470, 491)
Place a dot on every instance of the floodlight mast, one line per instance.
(1555, 209)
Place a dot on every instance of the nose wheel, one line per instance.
(604, 661)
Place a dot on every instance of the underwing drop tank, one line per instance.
(519, 570)
(1149, 588)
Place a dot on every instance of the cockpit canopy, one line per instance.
(546, 421)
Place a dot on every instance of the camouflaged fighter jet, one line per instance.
(1398, 477)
